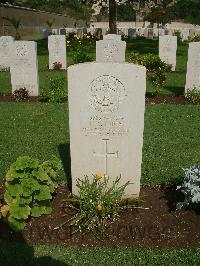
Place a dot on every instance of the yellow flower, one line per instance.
(99, 176)
(99, 208)
(68, 41)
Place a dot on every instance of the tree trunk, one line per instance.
(112, 16)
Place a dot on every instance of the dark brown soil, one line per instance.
(10, 99)
(158, 226)
(151, 100)
(169, 100)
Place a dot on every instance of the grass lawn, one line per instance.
(22, 254)
(171, 142)
(171, 137)
(171, 88)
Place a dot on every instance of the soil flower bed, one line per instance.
(156, 225)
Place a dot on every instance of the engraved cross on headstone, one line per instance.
(106, 155)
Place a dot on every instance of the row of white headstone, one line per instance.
(106, 114)
(132, 33)
(106, 109)
(21, 57)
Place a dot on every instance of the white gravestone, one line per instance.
(131, 33)
(193, 67)
(70, 30)
(197, 32)
(57, 50)
(146, 32)
(80, 33)
(110, 51)
(185, 33)
(192, 33)
(106, 120)
(155, 32)
(167, 49)
(161, 32)
(171, 32)
(113, 37)
(142, 32)
(138, 31)
(55, 31)
(150, 33)
(5, 50)
(24, 67)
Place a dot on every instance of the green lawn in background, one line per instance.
(175, 81)
(171, 137)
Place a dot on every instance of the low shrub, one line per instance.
(4, 69)
(97, 203)
(178, 34)
(81, 56)
(156, 68)
(28, 190)
(193, 95)
(55, 91)
(190, 187)
(57, 66)
(21, 94)
(74, 41)
(195, 38)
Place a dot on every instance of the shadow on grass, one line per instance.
(64, 151)
(143, 46)
(176, 90)
(15, 251)
(42, 45)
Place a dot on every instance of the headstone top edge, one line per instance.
(107, 63)
(7, 36)
(111, 41)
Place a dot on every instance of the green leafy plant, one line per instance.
(190, 187)
(156, 68)
(178, 34)
(29, 185)
(193, 95)
(81, 56)
(21, 94)
(55, 92)
(57, 66)
(97, 203)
